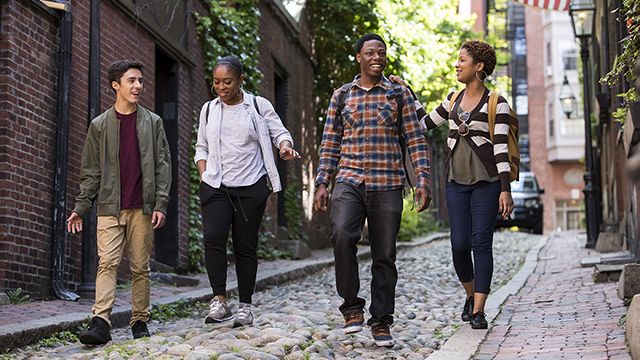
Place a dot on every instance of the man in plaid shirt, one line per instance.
(361, 141)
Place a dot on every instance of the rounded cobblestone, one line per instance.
(300, 320)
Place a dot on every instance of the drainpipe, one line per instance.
(89, 252)
(62, 139)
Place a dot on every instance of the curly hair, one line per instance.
(482, 52)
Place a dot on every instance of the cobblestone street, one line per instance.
(300, 320)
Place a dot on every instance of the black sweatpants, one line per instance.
(240, 209)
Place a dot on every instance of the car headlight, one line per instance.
(518, 202)
(529, 203)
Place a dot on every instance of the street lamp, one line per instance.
(567, 99)
(582, 13)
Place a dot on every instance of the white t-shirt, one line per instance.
(241, 157)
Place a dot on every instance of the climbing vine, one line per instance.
(231, 28)
(622, 69)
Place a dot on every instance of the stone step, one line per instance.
(607, 272)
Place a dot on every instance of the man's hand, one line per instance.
(321, 198)
(398, 79)
(157, 219)
(505, 204)
(74, 223)
(423, 198)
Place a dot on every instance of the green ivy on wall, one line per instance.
(622, 69)
(231, 28)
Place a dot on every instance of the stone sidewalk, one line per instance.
(558, 312)
(24, 324)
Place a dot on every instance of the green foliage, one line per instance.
(18, 296)
(413, 223)
(178, 310)
(426, 45)
(334, 28)
(293, 211)
(57, 339)
(195, 248)
(622, 69)
(267, 250)
(231, 28)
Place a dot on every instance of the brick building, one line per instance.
(164, 39)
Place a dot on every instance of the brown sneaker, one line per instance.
(353, 322)
(382, 335)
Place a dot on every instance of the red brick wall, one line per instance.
(28, 75)
(27, 144)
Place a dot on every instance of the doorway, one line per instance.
(167, 246)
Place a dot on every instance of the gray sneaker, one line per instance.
(218, 311)
(244, 317)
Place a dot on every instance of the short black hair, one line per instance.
(118, 68)
(232, 62)
(367, 37)
(482, 52)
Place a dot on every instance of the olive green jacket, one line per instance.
(100, 174)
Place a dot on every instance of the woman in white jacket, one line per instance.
(238, 173)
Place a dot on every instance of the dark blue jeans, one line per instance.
(350, 207)
(472, 217)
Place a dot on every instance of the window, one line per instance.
(294, 7)
(569, 215)
(570, 59)
(549, 54)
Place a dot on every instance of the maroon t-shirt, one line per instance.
(130, 168)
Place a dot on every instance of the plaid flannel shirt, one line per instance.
(363, 143)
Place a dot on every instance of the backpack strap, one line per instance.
(492, 108)
(403, 144)
(453, 99)
(255, 104)
(342, 96)
(206, 114)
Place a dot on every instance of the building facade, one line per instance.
(556, 138)
(165, 40)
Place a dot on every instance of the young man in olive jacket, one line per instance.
(126, 169)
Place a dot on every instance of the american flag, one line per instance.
(561, 5)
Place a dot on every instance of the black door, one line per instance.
(166, 83)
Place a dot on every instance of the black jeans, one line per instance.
(472, 216)
(383, 210)
(240, 209)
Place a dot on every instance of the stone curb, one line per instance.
(17, 335)
(465, 342)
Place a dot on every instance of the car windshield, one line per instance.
(527, 184)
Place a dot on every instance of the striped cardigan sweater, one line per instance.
(494, 155)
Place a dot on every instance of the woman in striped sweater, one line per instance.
(477, 169)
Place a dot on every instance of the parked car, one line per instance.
(528, 210)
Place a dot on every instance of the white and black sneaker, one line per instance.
(244, 317)
(218, 311)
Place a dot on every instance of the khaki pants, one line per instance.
(132, 230)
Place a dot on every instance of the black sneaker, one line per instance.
(382, 335)
(467, 310)
(479, 321)
(139, 329)
(98, 332)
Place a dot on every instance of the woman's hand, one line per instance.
(288, 153)
(505, 204)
